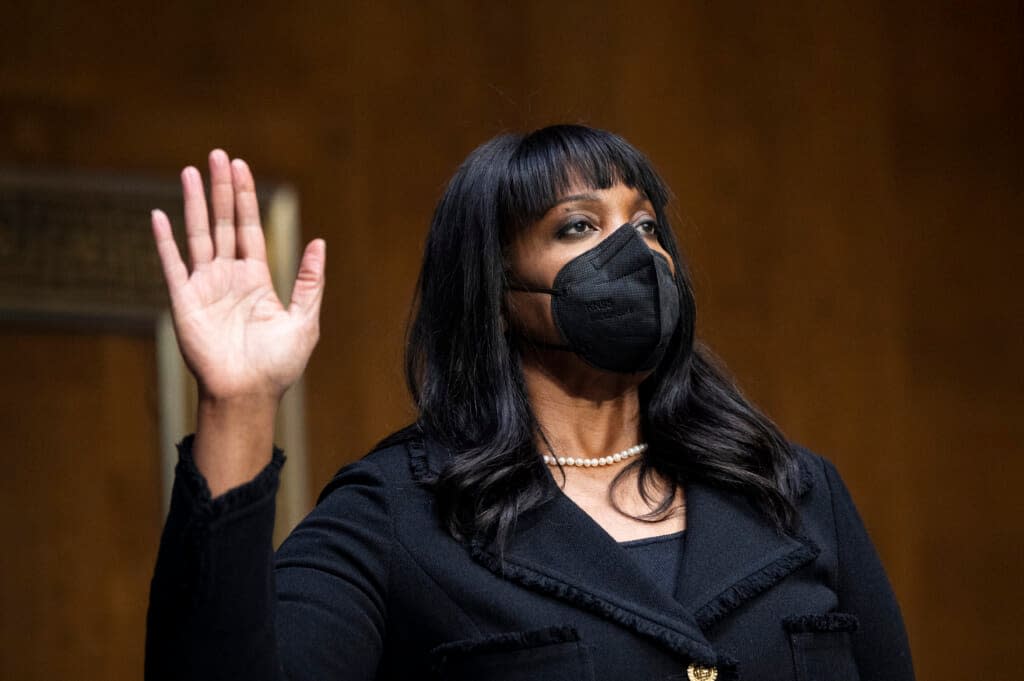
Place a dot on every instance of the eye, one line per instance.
(574, 229)
(647, 227)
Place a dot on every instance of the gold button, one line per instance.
(695, 672)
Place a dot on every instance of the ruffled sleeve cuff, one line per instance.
(198, 491)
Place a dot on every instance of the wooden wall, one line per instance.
(849, 190)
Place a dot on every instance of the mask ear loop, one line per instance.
(532, 341)
(534, 289)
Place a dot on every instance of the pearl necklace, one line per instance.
(600, 461)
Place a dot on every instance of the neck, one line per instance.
(583, 412)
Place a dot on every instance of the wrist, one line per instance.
(245, 407)
(234, 439)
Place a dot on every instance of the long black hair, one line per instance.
(463, 369)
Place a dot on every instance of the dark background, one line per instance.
(848, 185)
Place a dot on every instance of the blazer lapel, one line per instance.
(732, 554)
(729, 556)
(559, 550)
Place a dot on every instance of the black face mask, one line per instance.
(615, 305)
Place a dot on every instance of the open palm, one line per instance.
(235, 334)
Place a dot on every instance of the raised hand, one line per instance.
(243, 346)
(235, 335)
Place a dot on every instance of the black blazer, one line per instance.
(369, 586)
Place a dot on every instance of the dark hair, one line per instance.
(464, 372)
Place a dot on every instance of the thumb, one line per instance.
(308, 290)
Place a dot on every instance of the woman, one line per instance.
(584, 495)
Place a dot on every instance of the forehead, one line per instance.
(618, 193)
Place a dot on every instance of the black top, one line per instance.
(658, 557)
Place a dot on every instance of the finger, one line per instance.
(222, 196)
(250, 234)
(197, 225)
(175, 272)
(309, 283)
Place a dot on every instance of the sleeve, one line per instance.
(222, 606)
(880, 646)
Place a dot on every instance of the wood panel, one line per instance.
(848, 186)
(81, 503)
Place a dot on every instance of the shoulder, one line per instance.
(378, 497)
(814, 502)
(391, 462)
(830, 485)
(825, 499)
(817, 473)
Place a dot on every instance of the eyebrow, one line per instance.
(575, 197)
(590, 197)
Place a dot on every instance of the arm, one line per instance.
(221, 607)
(211, 607)
(211, 598)
(880, 645)
(332, 578)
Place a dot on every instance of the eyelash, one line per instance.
(566, 231)
(653, 225)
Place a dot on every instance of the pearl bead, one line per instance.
(599, 461)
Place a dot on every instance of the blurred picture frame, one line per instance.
(77, 254)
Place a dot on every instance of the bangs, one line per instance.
(550, 161)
